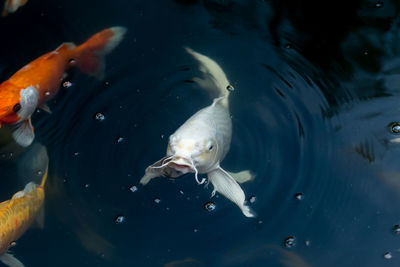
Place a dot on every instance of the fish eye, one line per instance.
(210, 146)
(17, 107)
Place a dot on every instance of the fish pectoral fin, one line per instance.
(228, 187)
(242, 177)
(46, 108)
(24, 134)
(9, 260)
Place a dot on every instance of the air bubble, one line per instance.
(76, 153)
(157, 200)
(133, 188)
(288, 46)
(120, 139)
(13, 244)
(230, 88)
(290, 242)
(210, 206)
(86, 185)
(387, 255)
(119, 219)
(47, 93)
(252, 199)
(395, 127)
(299, 196)
(396, 229)
(379, 4)
(99, 116)
(67, 84)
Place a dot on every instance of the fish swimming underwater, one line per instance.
(10, 6)
(17, 214)
(202, 142)
(39, 81)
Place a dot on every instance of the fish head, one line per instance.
(9, 106)
(16, 104)
(192, 154)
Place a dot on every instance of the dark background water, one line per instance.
(316, 88)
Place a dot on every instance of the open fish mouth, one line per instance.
(183, 168)
(180, 164)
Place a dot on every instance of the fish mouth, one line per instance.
(181, 164)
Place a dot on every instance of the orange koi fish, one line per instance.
(39, 81)
(16, 215)
(10, 6)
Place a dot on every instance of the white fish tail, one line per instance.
(9, 260)
(215, 80)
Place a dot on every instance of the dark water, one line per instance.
(316, 88)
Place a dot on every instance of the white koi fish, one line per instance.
(202, 142)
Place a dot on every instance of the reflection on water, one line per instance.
(315, 95)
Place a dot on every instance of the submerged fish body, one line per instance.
(202, 142)
(37, 82)
(10, 6)
(17, 215)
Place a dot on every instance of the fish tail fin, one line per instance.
(215, 80)
(90, 55)
(9, 260)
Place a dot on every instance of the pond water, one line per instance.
(314, 111)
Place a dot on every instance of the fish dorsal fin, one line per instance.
(24, 134)
(65, 46)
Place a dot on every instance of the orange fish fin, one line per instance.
(64, 47)
(24, 133)
(90, 55)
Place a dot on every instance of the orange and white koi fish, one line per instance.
(39, 81)
(10, 6)
(16, 215)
